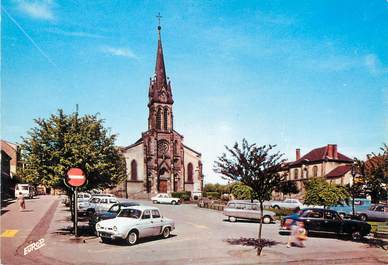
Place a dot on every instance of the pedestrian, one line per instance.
(292, 223)
(300, 235)
(22, 202)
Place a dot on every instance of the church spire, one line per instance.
(160, 71)
(160, 87)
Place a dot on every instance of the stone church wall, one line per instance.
(135, 153)
(193, 158)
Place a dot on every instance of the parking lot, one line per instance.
(200, 238)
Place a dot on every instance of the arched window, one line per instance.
(133, 170)
(190, 173)
(307, 172)
(165, 118)
(159, 119)
(315, 171)
(296, 173)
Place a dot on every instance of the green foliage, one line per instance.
(320, 192)
(288, 187)
(282, 211)
(63, 141)
(212, 194)
(253, 166)
(241, 191)
(183, 195)
(217, 188)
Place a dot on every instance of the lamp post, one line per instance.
(353, 172)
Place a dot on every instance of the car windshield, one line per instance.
(24, 187)
(130, 213)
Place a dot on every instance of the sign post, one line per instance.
(75, 179)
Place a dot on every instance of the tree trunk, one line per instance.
(260, 246)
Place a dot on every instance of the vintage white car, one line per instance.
(133, 223)
(165, 198)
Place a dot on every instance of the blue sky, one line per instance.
(292, 73)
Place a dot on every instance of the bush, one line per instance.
(184, 195)
(281, 212)
(213, 194)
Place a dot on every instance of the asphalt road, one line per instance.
(200, 238)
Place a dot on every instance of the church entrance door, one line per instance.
(163, 186)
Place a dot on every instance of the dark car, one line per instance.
(110, 214)
(328, 221)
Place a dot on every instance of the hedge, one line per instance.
(212, 194)
(184, 195)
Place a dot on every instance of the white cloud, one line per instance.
(39, 9)
(80, 34)
(373, 64)
(121, 52)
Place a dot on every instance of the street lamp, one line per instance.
(353, 173)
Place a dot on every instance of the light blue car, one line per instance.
(345, 209)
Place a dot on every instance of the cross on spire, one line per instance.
(159, 17)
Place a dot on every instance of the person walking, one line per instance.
(293, 225)
(22, 202)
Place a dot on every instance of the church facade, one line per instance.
(159, 162)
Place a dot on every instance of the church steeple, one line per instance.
(160, 96)
(160, 87)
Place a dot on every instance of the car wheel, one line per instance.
(276, 207)
(363, 217)
(267, 219)
(232, 219)
(356, 235)
(132, 238)
(166, 232)
(154, 202)
(342, 215)
(173, 202)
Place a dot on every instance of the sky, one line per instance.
(298, 74)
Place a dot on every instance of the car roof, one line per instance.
(141, 208)
(128, 203)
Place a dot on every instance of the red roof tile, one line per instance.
(319, 154)
(339, 171)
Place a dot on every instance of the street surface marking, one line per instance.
(198, 226)
(9, 233)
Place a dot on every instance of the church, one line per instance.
(159, 162)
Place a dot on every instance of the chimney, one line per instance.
(330, 150)
(297, 151)
(335, 153)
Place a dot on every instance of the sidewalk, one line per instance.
(20, 228)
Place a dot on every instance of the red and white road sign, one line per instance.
(76, 177)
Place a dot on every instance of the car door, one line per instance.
(157, 222)
(312, 219)
(146, 225)
(378, 213)
(332, 223)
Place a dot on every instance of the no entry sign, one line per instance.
(76, 177)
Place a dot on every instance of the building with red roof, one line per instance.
(326, 162)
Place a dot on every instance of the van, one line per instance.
(27, 190)
(246, 210)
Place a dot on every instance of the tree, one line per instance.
(255, 167)
(63, 141)
(320, 192)
(241, 191)
(375, 172)
(288, 187)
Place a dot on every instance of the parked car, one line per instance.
(111, 213)
(27, 190)
(133, 223)
(344, 209)
(328, 221)
(96, 204)
(287, 204)
(165, 198)
(378, 212)
(83, 196)
(246, 210)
